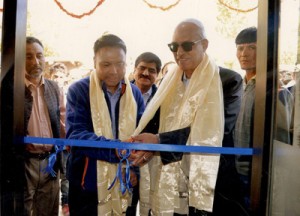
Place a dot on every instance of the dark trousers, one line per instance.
(195, 212)
(81, 202)
(228, 198)
(64, 183)
(131, 210)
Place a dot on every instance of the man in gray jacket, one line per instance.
(43, 108)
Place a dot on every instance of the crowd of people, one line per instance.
(189, 101)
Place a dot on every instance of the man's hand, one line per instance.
(133, 178)
(146, 138)
(140, 157)
(123, 151)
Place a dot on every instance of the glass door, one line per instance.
(285, 183)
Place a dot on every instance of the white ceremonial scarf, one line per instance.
(111, 202)
(199, 105)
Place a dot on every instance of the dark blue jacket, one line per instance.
(79, 125)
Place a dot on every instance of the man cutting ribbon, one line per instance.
(103, 106)
(190, 96)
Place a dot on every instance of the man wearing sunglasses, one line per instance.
(191, 97)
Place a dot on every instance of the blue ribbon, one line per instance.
(142, 146)
(60, 143)
(124, 186)
(51, 161)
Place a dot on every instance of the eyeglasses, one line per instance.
(186, 46)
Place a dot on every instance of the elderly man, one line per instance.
(191, 96)
(100, 107)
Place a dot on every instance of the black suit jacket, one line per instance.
(232, 84)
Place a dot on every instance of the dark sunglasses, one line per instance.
(186, 46)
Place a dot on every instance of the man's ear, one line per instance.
(94, 62)
(204, 43)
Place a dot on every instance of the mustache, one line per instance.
(143, 76)
(36, 68)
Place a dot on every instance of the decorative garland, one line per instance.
(236, 9)
(149, 4)
(80, 15)
(161, 7)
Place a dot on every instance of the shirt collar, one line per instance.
(185, 80)
(250, 82)
(252, 78)
(28, 83)
(119, 89)
(149, 92)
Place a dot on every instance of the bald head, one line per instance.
(188, 45)
(192, 26)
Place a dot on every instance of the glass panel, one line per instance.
(285, 193)
(288, 61)
(285, 184)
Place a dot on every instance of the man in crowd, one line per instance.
(246, 54)
(146, 69)
(164, 70)
(44, 109)
(189, 97)
(104, 106)
(59, 73)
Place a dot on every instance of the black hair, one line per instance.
(109, 40)
(248, 35)
(149, 57)
(31, 40)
